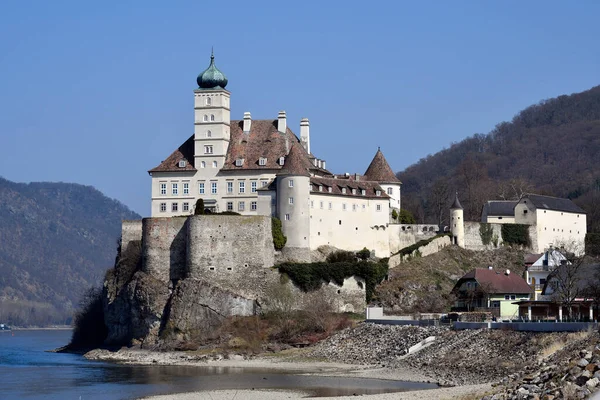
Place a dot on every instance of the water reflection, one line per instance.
(26, 372)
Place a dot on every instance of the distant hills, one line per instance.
(56, 240)
(551, 148)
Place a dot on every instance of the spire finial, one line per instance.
(212, 53)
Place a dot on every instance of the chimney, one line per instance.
(305, 134)
(324, 165)
(247, 122)
(281, 122)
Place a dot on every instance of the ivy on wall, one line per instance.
(310, 276)
(516, 234)
(486, 232)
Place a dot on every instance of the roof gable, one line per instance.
(495, 282)
(553, 203)
(184, 152)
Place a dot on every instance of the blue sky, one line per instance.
(99, 92)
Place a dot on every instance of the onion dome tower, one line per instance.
(212, 77)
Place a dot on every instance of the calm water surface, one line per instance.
(28, 372)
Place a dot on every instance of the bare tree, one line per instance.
(514, 189)
(439, 199)
(567, 280)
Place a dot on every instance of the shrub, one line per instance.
(592, 244)
(341, 256)
(395, 215)
(89, 330)
(199, 208)
(309, 276)
(279, 239)
(406, 217)
(517, 234)
(475, 316)
(364, 254)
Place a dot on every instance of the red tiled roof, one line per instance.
(496, 281)
(531, 258)
(337, 184)
(379, 170)
(184, 152)
(296, 162)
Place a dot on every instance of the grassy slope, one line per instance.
(424, 284)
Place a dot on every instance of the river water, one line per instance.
(27, 371)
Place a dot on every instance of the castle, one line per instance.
(550, 221)
(260, 167)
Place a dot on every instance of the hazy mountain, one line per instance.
(550, 148)
(56, 240)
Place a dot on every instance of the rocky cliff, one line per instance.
(141, 309)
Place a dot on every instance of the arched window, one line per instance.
(208, 101)
(205, 118)
(208, 133)
(202, 164)
(212, 117)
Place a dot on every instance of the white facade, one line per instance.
(554, 227)
(206, 166)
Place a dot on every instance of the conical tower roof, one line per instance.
(456, 205)
(296, 162)
(379, 170)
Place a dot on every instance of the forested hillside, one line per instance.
(56, 240)
(550, 148)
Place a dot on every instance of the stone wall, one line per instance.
(432, 247)
(164, 247)
(473, 240)
(404, 235)
(131, 231)
(350, 297)
(232, 252)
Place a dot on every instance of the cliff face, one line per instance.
(141, 309)
(176, 279)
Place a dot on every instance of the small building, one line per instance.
(558, 221)
(537, 272)
(485, 289)
(499, 212)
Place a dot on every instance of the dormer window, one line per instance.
(239, 162)
(378, 192)
(329, 189)
(363, 192)
(281, 160)
(353, 191)
(262, 161)
(320, 188)
(343, 190)
(182, 164)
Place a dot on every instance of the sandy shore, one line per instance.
(132, 356)
(435, 394)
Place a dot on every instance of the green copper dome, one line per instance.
(212, 78)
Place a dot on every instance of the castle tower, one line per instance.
(293, 198)
(457, 222)
(211, 120)
(380, 171)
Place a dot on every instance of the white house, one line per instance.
(559, 222)
(260, 167)
(537, 273)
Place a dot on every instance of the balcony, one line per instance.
(537, 287)
(532, 268)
